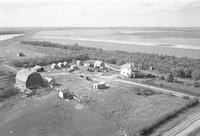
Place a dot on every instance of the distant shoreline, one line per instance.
(178, 46)
(4, 37)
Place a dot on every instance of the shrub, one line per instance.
(169, 78)
(144, 92)
(197, 84)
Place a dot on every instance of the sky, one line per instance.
(103, 13)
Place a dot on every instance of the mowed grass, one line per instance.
(51, 116)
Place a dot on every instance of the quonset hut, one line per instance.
(28, 79)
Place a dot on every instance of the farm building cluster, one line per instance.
(31, 78)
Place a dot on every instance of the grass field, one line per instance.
(120, 105)
(6, 85)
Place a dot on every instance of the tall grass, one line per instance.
(149, 128)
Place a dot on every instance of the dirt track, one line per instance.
(186, 126)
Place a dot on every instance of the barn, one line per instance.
(26, 78)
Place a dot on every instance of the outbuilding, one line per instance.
(49, 81)
(66, 94)
(38, 68)
(100, 85)
(74, 67)
(65, 64)
(99, 64)
(79, 63)
(87, 64)
(60, 65)
(26, 78)
(127, 70)
(21, 54)
(53, 66)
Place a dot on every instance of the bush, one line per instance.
(144, 92)
(197, 84)
(5, 93)
(169, 78)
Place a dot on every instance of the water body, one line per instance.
(181, 42)
(9, 36)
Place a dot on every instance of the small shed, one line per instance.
(60, 65)
(87, 65)
(151, 68)
(21, 54)
(26, 78)
(79, 63)
(38, 68)
(74, 67)
(100, 85)
(99, 64)
(53, 66)
(49, 81)
(65, 64)
(66, 94)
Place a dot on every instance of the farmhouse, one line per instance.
(127, 70)
(99, 64)
(38, 68)
(100, 85)
(27, 79)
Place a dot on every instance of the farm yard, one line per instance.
(95, 104)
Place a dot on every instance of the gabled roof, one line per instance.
(128, 65)
(36, 67)
(23, 74)
(98, 63)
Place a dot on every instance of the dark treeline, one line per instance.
(179, 67)
(10, 32)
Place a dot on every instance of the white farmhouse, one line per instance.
(127, 70)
